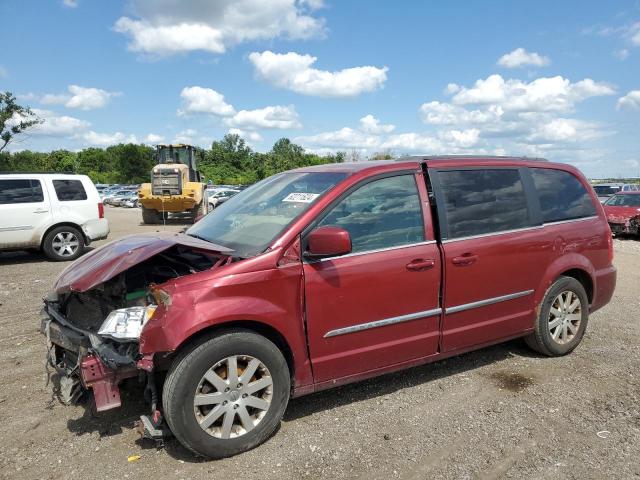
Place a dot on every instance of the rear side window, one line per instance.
(20, 191)
(483, 201)
(68, 190)
(385, 213)
(562, 195)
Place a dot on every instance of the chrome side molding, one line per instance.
(487, 301)
(381, 323)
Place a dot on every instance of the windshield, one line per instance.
(173, 155)
(623, 201)
(602, 190)
(249, 221)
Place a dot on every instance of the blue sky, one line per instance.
(553, 79)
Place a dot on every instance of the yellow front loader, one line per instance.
(176, 185)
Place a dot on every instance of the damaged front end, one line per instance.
(624, 225)
(101, 303)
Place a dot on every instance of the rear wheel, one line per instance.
(226, 395)
(150, 216)
(63, 244)
(563, 318)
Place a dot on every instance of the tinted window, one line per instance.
(622, 200)
(602, 190)
(67, 190)
(381, 214)
(562, 196)
(20, 191)
(478, 201)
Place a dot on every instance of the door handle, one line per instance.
(420, 264)
(40, 211)
(465, 259)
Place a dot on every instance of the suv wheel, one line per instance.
(563, 318)
(226, 395)
(63, 244)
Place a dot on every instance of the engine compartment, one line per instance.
(87, 310)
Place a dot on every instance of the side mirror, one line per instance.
(328, 242)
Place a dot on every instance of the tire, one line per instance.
(150, 216)
(551, 337)
(212, 358)
(197, 211)
(63, 244)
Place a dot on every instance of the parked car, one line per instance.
(605, 190)
(623, 213)
(327, 275)
(218, 196)
(130, 202)
(59, 214)
(115, 197)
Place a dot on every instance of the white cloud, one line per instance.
(3, 72)
(247, 135)
(272, 117)
(70, 3)
(204, 100)
(344, 138)
(371, 124)
(56, 125)
(521, 58)
(437, 113)
(452, 141)
(545, 94)
(83, 98)
(185, 136)
(293, 71)
(562, 130)
(106, 139)
(630, 100)
(167, 27)
(153, 138)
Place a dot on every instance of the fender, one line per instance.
(568, 261)
(271, 297)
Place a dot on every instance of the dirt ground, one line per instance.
(501, 412)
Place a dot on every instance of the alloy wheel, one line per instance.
(565, 316)
(65, 244)
(233, 396)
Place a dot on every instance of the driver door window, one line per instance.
(382, 214)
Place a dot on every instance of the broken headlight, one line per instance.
(126, 323)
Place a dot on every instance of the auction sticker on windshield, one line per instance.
(300, 197)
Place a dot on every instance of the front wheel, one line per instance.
(150, 216)
(226, 395)
(563, 318)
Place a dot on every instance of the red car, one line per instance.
(327, 275)
(623, 213)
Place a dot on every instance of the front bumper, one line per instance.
(83, 359)
(629, 227)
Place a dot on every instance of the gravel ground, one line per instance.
(501, 412)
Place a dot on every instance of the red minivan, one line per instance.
(327, 275)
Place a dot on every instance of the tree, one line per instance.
(14, 118)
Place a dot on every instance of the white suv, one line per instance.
(57, 213)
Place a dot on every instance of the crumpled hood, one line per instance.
(620, 214)
(106, 262)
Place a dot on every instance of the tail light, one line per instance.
(610, 246)
(100, 210)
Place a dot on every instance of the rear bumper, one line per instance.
(97, 229)
(605, 285)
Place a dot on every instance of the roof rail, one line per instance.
(471, 157)
(31, 172)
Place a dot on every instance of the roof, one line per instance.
(415, 161)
